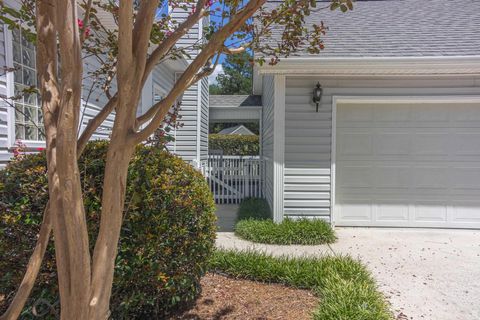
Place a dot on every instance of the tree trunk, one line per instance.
(113, 199)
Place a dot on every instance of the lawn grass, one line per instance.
(346, 289)
(302, 231)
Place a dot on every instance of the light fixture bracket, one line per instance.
(317, 95)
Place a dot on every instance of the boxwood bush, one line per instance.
(256, 208)
(166, 240)
(234, 144)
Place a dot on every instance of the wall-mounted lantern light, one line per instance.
(317, 94)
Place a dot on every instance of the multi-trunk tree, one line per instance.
(65, 31)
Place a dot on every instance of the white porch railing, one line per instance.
(234, 178)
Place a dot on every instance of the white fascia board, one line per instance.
(409, 66)
(235, 107)
(340, 99)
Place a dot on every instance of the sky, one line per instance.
(212, 78)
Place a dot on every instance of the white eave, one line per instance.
(375, 66)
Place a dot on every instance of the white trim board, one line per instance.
(380, 66)
(278, 148)
(336, 100)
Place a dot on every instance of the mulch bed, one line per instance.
(226, 298)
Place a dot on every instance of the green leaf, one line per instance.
(334, 6)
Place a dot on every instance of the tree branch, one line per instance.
(162, 50)
(234, 50)
(85, 21)
(160, 109)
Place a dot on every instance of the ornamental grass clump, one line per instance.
(287, 232)
(167, 235)
(345, 288)
(255, 224)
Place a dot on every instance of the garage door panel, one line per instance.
(431, 178)
(355, 177)
(356, 210)
(357, 113)
(431, 113)
(400, 113)
(467, 112)
(392, 143)
(466, 211)
(466, 178)
(421, 170)
(392, 210)
(396, 177)
(467, 144)
(437, 144)
(431, 211)
(355, 144)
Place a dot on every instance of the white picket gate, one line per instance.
(233, 178)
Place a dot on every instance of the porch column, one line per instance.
(278, 147)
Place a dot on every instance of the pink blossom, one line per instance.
(80, 25)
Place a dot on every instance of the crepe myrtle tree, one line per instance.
(66, 32)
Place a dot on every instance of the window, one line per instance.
(158, 94)
(28, 115)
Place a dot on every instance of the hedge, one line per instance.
(167, 234)
(234, 144)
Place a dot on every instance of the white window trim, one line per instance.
(155, 87)
(10, 93)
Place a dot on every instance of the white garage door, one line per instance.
(408, 164)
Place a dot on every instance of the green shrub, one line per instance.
(345, 287)
(234, 144)
(254, 208)
(167, 234)
(302, 231)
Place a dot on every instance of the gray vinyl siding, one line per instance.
(95, 98)
(267, 135)
(4, 154)
(204, 120)
(186, 134)
(309, 134)
(192, 137)
(164, 78)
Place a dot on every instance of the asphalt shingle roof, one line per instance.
(398, 28)
(235, 101)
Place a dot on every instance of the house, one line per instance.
(24, 125)
(238, 129)
(235, 108)
(396, 139)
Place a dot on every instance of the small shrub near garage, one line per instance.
(234, 144)
(255, 224)
(167, 235)
(255, 208)
(301, 231)
(345, 288)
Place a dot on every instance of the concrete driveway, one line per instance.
(424, 273)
